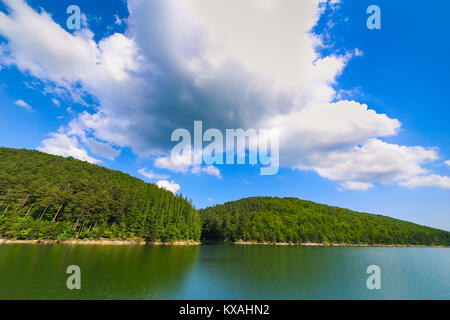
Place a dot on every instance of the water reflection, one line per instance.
(222, 272)
(107, 272)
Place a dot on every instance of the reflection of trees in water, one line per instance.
(221, 272)
(107, 272)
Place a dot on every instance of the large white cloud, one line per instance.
(40, 46)
(378, 161)
(231, 64)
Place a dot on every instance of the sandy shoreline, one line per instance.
(101, 242)
(106, 242)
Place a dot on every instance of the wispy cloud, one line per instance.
(23, 105)
(56, 102)
(152, 175)
(209, 170)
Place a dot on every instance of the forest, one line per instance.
(291, 220)
(44, 196)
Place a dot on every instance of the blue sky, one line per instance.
(113, 92)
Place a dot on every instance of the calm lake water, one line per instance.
(222, 272)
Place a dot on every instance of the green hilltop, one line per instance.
(44, 196)
(291, 220)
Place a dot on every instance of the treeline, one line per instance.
(266, 219)
(49, 197)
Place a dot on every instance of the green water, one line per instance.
(222, 272)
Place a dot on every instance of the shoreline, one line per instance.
(102, 242)
(316, 244)
(105, 242)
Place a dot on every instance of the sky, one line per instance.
(362, 114)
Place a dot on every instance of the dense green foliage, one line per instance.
(49, 197)
(265, 219)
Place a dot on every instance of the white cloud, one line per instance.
(168, 164)
(62, 145)
(447, 162)
(97, 147)
(328, 127)
(56, 102)
(170, 186)
(374, 162)
(231, 64)
(100, 148)
(62, 59)
(152, 175)
(183, 166)
(54, 54)
(352, 185)
(67, 143)
(358, 52)
(333, 2)
(23, 105)
(432, 180)
(117, 20)
(210, 170)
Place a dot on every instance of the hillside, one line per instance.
(265, 219)
(50, 197)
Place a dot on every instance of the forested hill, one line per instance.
(265, 219)
(50, 197)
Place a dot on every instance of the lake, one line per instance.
(222, 271)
